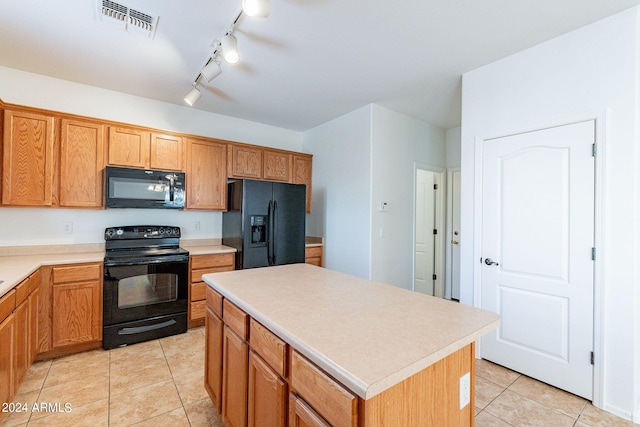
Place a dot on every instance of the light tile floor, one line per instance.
(160, 383)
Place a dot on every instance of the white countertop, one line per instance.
(17, 263)
(15, 268)
(369, 336)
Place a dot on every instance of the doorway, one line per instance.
(537, 268)
(429, 236)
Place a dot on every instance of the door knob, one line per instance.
(489, 261)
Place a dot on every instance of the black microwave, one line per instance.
(139, 188)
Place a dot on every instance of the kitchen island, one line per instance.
(318, 347)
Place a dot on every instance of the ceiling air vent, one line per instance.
(127, 18)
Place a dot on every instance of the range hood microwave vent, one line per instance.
(127, 18)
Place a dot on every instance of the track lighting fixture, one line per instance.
(193, 95)
(257, 8)
(230, 48)
(227, 46)
(211, 70)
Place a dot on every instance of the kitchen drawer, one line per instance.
(334, 402)
(271, 348)
(22, 291)
(7, 304)
(313, 251)
(214, 301)
(236, 319)
(197, 310)
(198, 291)
(212, 260)
(196, 275)
(77, 273)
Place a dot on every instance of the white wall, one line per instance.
(398, 143)
(453, 136)
(20, 226)
(590, 72)
(341, 151)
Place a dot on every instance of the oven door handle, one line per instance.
(146, 261)
(141, 329)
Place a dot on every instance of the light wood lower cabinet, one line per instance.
(302, 415)
(7, 357)
(199, 265)
(70, 317)
(313, 255)
(235, 356)
(18, 335)
(213, 358)
(268, 383)
(267, 400)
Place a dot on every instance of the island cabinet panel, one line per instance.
(302, 415)
(277, 166)
(28, 162)
(213, 357)
(267, 399)
(331, 400)
(203, 264)
(301, 165)
(167, 152)
(245, 162)
(206, 175)
(128, 147)
(81, 164)
(235, 354)
(429, 398)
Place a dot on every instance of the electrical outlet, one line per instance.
(465, 390)
(196, 226)
(67, 227)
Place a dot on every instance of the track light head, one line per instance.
(211, 70)
(229, 46)
(257, 8)
(193, 96)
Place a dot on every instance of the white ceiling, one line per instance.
(308, 62)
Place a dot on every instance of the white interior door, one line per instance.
(425, 239)
(538, 230)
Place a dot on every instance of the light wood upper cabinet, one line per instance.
(302, 173)
(81, 164)
(206, 175)
(277, 166)
(245, 161)
(167, 152)
(128, 147)
(28, 159)
(139, 148)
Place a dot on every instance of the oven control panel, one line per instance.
(141, 232)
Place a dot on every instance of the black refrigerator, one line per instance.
(265, 223)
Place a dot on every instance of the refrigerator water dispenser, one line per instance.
(258, 230)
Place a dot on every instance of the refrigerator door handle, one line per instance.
(275, 230)
(270, 233)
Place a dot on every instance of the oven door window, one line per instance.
(147, 289)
